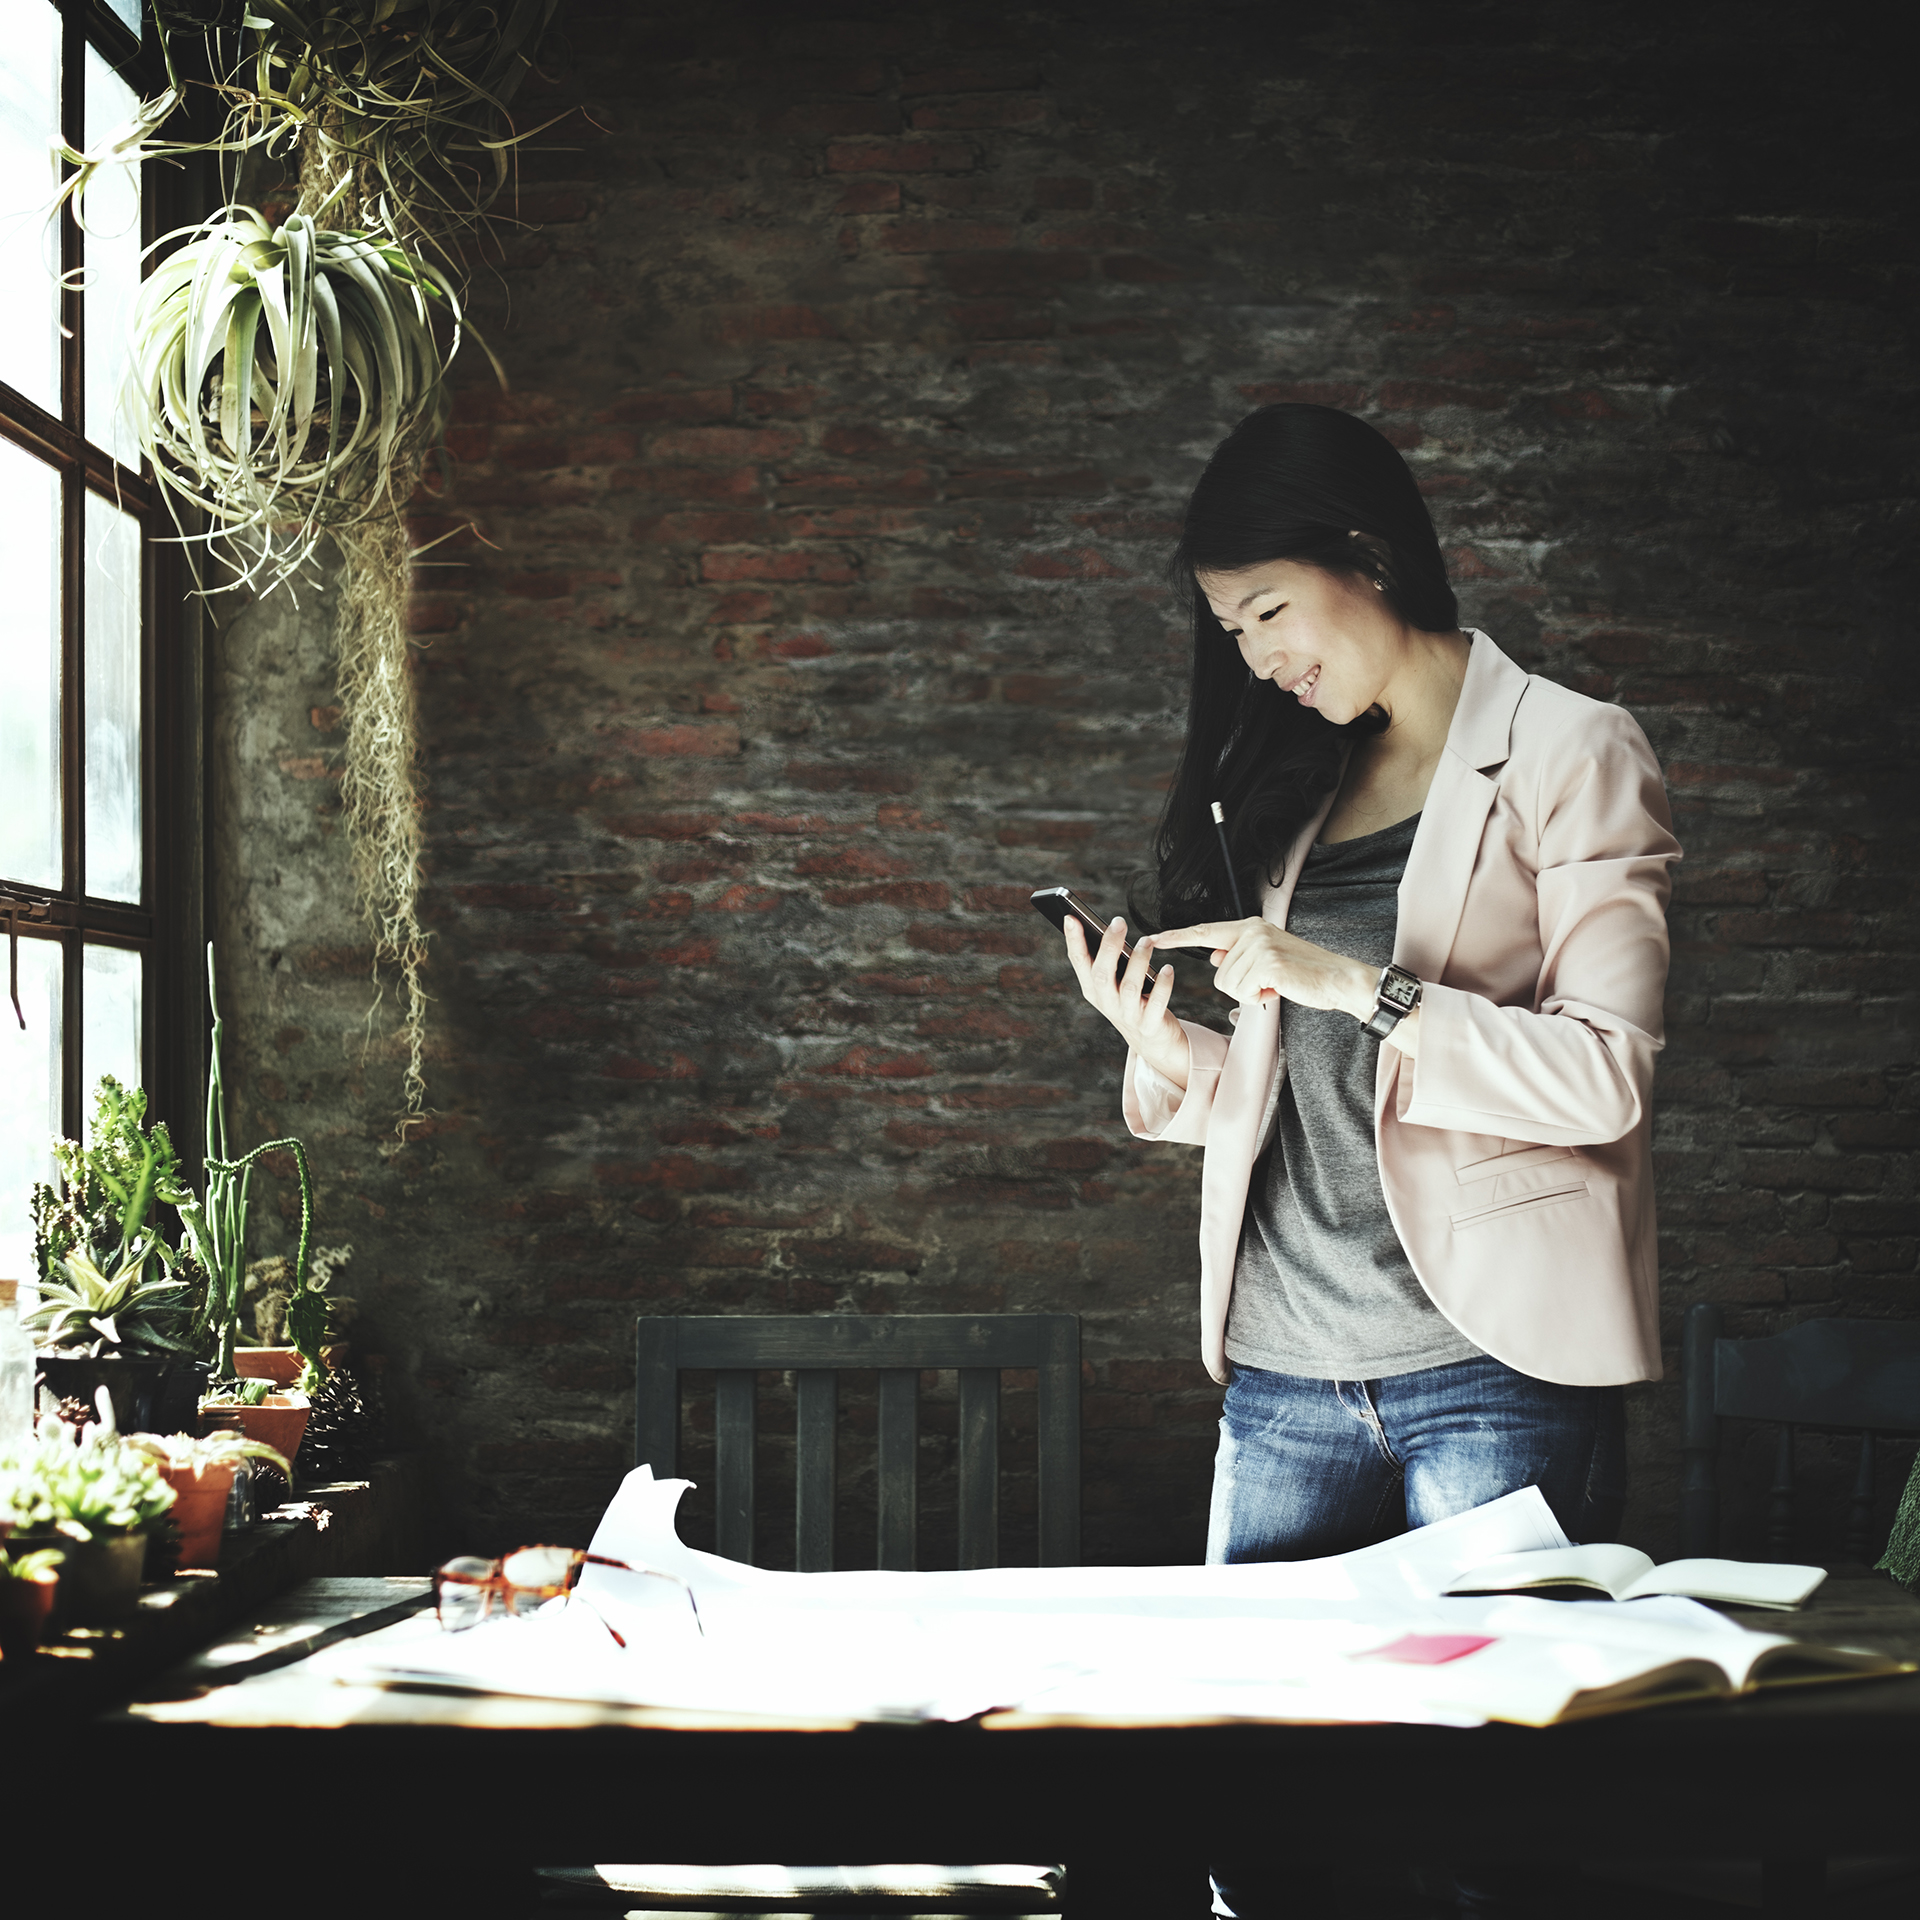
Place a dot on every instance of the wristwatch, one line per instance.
(1399, 994)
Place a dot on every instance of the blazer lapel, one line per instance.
(1433, 891)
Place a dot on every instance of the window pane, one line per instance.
(129, 12)
(29, 669)
(30, 1112)
(111, 249)
(110, 1019)
(29, 245)
(113, 702)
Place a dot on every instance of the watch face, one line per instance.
(1399, 988)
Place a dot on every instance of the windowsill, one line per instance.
(378, 1525)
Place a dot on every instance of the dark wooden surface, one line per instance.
(1134, 1812)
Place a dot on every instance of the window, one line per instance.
(88, 591)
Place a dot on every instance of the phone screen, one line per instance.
(1056, 903)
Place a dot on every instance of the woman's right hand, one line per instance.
(1140, 1017)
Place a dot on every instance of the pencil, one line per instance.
(1226, 859)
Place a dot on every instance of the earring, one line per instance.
(1379, 586)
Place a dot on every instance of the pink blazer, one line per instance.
(1514, 1149)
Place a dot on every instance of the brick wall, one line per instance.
(862, 358)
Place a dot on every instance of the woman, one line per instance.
(1427, 1230)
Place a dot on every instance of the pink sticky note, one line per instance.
(1428, 1649)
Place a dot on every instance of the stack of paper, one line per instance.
(1364, 1636)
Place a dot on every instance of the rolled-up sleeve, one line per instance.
(1156, 1109)
(1576, 1068)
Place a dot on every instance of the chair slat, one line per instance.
(1060, 1442)
(817, 1393)
(656, 1382)
(733, 1424)
(868, 1340)
(1780, 1497)
(1860, 1508)
(979, 1466)
(1700, 1437)
(899, 1438)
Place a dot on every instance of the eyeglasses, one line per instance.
(465, 1590)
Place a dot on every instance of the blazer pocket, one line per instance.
(1514, 1183)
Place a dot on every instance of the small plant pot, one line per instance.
(199, 1511)
(283, 1365)
(25, 1608)
(100, 1582)
(133, 1386)
(280, 1420)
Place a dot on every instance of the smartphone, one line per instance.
(1056, 903)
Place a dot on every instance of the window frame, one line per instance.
(165, 928)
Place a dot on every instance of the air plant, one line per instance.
(282, 377)
(288, 382)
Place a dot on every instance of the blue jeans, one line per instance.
(1311, 1467)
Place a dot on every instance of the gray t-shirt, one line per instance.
(1322, 1286)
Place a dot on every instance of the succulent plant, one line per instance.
(138, 1309)
(85, 1488)
(183, 1452)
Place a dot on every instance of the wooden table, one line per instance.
(415, 1790)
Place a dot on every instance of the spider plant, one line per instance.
(283, 375)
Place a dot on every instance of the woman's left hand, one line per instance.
(1255, 960)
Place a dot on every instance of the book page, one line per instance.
(1609, 1567)
(1749, 1583)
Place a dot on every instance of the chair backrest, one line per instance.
(817, 1347)
(1857, 1375)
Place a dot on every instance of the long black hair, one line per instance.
(1290, 482)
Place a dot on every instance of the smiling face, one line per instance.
(1326, 638)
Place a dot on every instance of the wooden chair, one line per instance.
(1860, 1376)
(817, 1348)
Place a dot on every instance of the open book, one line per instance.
(1625, 1573)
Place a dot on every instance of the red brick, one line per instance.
(1417, 396)
(1076, 563)
(1345, 394)
(976, 1023)
(862, 779)
(646, 409)
(877, 1063)
(969, 940)
(869, 196)
(735, 326)
(944, 236)
(820, 119)
(852, 862)
(665, 826)
(712, 741)
(741, 608)
(1061, 191)
(725, 443)
(989, 111)
(900, 156)
(976, 276)
(782, 564)
(1059, 834)
(924, 896)
(981, 76)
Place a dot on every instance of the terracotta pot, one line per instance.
(280, 1420)
(100, 1582)
(283, 1364)
(199, 1511)
(25, 1606)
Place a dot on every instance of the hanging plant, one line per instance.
(287, 381)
